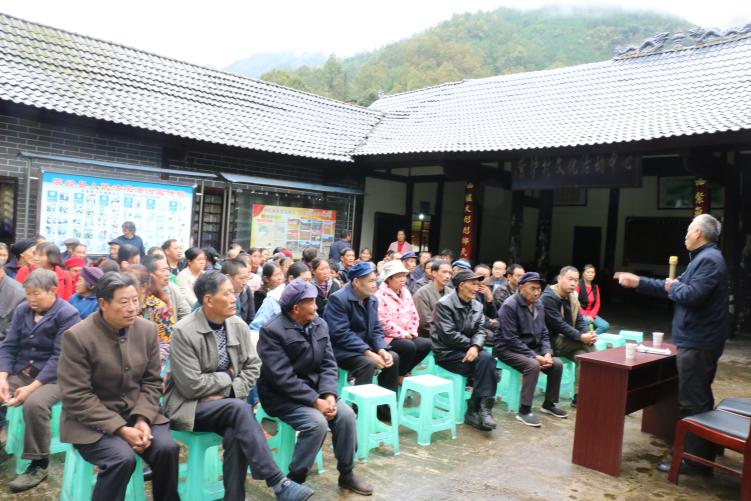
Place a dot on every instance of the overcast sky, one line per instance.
(217, 33)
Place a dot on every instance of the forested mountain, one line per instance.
(479, 45)
(257, 64)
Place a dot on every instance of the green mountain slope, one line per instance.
(479, 45)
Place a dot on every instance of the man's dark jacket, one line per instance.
(457, 326)
(522, 330)
(701, 300)
(297, 364)
(558, 316)
(353, 326)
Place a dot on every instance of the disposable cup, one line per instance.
(630, 351)
(657, 339)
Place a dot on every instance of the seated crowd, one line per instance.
(147, 340)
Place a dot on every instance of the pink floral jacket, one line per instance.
(397, 314)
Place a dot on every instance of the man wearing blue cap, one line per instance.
(298, 384)
(356, 334)
(524, 344)
(409, 260)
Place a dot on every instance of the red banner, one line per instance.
(701, 196)
(468, 226)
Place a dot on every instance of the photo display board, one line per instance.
(293, 228)
(93, 209)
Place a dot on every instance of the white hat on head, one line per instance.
(392, 268)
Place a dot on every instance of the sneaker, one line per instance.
(292, 491)
(355, 484)
(529, 419)
(33, 476)
(554, 411)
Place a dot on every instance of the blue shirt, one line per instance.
(85, 305)
(268, 310)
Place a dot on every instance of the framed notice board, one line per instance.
(652, 240)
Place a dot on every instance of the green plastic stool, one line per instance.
(79, 479)
(605, 341)
(371, 432)
(282, 444)
(510, 386)
(201, 478)
(426, 366)
(427, 418)
(461, 395)
(635, 336)
(568, 379)
(17, 428)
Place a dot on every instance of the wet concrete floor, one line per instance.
(514, 462)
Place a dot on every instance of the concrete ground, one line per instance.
(514, 462)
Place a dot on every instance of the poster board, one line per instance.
(93, 209)
(293, 228)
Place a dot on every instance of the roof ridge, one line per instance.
(226, 74)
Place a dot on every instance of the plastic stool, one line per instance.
(460, 393)
(609, 340)
(79, 479)
(568, 379)
(426, 366)
(344, 380)
(510, 386)
(370, 431)
(635, 336)
(282, 444)
(17, 428)
(201, 478)
(427, 418)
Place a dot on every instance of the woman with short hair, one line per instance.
(196, 260)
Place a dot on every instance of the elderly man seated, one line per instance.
(110, 387)
(28, 368)
(458, 334)
(213, 367)
(356, 334)
(523, 343)
(298, 384)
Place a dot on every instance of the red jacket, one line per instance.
(593, 304)
(66, 287)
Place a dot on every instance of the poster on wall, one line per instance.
(93, 209)
(293, 228)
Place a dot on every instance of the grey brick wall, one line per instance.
(72, 140)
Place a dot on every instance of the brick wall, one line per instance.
(77, 141)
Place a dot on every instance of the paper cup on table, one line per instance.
(657, 339)
(630, 351)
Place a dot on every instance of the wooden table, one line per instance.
(611, 387)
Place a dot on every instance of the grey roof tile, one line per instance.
(697, 90)
(49, 68)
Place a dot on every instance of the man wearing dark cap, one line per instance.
(114, 249)
(298, 384)
(356, 335)
(458, 333)
(22, 254)
(409, 260)
(523, 343)
(70, 244)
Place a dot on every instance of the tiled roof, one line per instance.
(53, 69)
(702, 89)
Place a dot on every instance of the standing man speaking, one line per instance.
(700, 324)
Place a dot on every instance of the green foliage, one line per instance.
(478, 45)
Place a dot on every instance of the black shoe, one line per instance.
(687, 468)
(554, 411)
(473, 417)
(355, 484)
(33, 476)
(486, 412)
(298, 476)
(573, 401)
(147, 473)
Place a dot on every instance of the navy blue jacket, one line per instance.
(353, 326)
(37, 344)
(135, 242)
(297, 364)
(701, 300)
(335, 251)
(522, 331)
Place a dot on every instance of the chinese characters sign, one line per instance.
(701, 197)
(93, 209)
(583, 171)
(468, 234)
(293, 228)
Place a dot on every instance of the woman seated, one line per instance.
(272, 276)
(196, 259)
(155, 307)
(47, 257)
(84, 300)
(398, 317)
(323, 282)
(589, 300)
